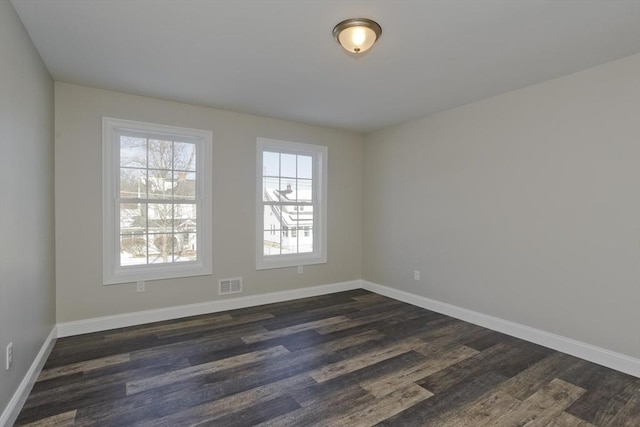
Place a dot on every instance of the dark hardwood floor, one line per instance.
(347, 359)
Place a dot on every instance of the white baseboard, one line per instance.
(601, 356)
(141, 317)
(13, 408)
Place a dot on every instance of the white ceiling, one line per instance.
(277, 58)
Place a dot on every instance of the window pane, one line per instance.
(133, 218)
(133, 152)
(305, 169)
(186, 249)
(269, 189)
(160, 184)
(287, 189)
(305, 218)
(289, 244)
(133, 183)
(281, 218)
(305, 240)
(160, 154)
(270, 163)
(161, 248)
(160, 217)
(184, 212)
(272, 242)
(272, 217)
(289, 216)
(185, 223)
(184, 185)
(184, 156)
(305, 190)
(288, 165)
(133, 250)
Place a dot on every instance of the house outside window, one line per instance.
(291, 195)
(157, 201)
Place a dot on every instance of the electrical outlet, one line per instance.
(9, 355)
(300, 269)
(140, 287)
(416, 274)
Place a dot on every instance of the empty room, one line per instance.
(319, 213)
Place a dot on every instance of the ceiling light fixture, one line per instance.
(357, 35)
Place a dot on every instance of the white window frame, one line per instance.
(113, 273)
(319, 154)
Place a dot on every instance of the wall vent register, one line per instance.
(230, 286)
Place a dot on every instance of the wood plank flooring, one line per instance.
(347, 359)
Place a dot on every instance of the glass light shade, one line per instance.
(357, 35)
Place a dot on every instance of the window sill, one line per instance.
(290, 261)
(160, 272)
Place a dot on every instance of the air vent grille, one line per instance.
(230, 286)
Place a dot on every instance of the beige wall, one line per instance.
(525, 206)
(27, 262)
(80, 293)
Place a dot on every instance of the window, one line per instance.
(157, 201)
(291, 195)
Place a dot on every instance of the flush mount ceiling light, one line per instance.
(357, 35)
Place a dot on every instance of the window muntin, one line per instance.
(157, 200)
(291, 197)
